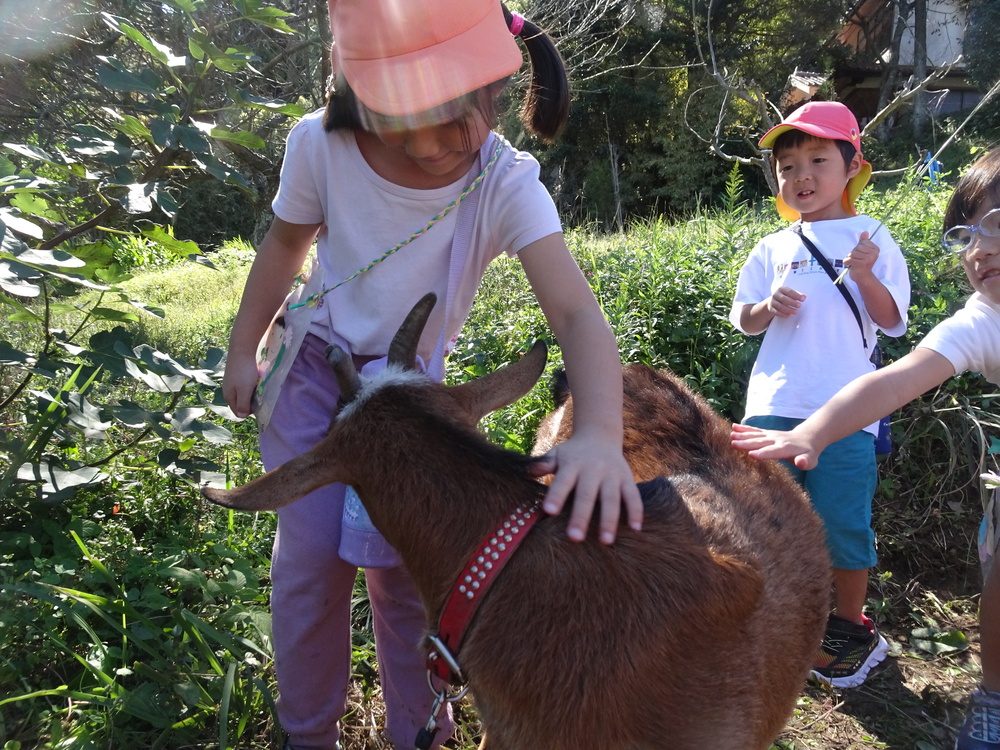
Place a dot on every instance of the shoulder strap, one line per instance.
(821, 259)
(460, 243)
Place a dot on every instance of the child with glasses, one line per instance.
(406, 137)
(815, 342)
(968, 340)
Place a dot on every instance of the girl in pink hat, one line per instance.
(405, 189)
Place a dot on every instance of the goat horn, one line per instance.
(403, 349)
(344, 371)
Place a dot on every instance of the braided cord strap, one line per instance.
(314, 299)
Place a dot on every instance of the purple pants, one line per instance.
(312, 588)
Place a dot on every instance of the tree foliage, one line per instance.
(163, 94)
(981, 60)
(647, 116)
(122, 106)
(638, 142)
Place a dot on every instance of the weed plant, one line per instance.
(135, 615)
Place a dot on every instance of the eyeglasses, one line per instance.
(959, 238)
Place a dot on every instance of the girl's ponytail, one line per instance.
(546, 105)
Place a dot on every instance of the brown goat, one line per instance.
(694, 634)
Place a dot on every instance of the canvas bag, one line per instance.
(883, 441)
(282, 340)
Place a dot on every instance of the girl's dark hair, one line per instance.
(342, 107)
(979, 186)
(794, 137)
(546, 105)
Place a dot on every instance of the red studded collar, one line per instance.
(469, 590)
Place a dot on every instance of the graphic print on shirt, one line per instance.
(805, 266)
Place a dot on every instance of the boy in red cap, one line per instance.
(817, 339)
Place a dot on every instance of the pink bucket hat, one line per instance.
(824, 120)
(401, 57)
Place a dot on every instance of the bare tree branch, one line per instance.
(906, 96)
(577, 31)
(733, 85)
(726, 82)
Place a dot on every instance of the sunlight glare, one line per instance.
(33, 30)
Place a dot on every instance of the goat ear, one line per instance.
(502, 387)
(282, 486)
(403, 349)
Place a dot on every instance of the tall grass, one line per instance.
(137, 616)
(199, 302)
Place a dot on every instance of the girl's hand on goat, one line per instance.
(239, 383)
(762, 444)
(590, 469)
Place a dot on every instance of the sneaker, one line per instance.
(981, 730)
(849, 652)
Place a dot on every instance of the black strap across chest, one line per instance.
(821, 259)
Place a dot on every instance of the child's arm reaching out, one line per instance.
(853, 407)
(591, 463)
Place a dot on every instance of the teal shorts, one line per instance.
(841, 488)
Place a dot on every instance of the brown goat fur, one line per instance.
(745, 509)
(695, 633)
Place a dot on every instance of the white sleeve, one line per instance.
(298, 199)
(896, 279)
(752, 287)
(970, 340)
(522, 209)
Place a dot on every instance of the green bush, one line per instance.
(212, 214)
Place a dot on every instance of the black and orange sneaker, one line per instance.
(849, 652)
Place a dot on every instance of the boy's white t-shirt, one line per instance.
(970, 339)
(324, 178)
(806, 358)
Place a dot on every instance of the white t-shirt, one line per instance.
(808, 357)
(324, 178)
(970, 339)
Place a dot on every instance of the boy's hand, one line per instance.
(590, 469)
(239, 383)
(785, 302)
(861, 259)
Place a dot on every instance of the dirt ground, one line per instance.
(915, 699)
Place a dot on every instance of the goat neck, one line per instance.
(432, 484)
